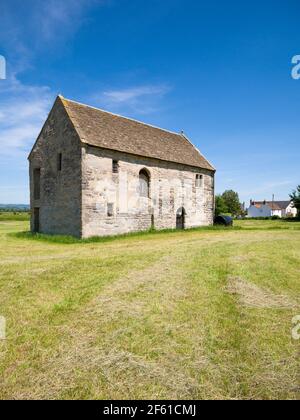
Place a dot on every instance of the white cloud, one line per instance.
(143, 99)
(267, 188)
(56, 16)
(134, 94)
(39, 25)
(23, 110)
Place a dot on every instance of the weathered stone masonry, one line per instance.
(172, 186)
(60, 191)
(82, 193)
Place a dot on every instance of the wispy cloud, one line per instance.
(39, 25)
(23, 109)
(132, 95)
(22, 112)
(267, 188)
(56, 16)
(143, 99)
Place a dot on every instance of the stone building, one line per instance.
(93, 173)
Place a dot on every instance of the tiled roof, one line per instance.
(106, 130)
(274, 205)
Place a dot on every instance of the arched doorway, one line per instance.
(180, 218)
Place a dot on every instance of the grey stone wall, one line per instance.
(172, 187)
(60, 199)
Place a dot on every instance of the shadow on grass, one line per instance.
(63, 239)
(292, 219)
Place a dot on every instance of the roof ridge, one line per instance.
(271, 201)
(120, 116)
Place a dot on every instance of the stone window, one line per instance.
(144, 183)
(36, 183)
(115, 166)
(110, 209)
(199, 181)
(59, 162)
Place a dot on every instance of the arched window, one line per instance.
(144, 183)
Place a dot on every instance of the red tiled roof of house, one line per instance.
(274, 205)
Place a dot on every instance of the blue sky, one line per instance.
(220, 71)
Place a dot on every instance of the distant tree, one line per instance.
(295, 197)
(232, 201)
(220, 206)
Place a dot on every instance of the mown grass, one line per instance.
(268, 224)
(198, 314)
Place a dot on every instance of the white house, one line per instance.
(271, 208)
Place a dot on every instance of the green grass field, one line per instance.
(188, 315)
(14, 216)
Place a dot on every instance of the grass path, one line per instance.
(202, 314)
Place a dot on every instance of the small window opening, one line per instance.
(144, 184)
(199, 181)
(110, 209)
(59, 162)
(115, 166)
(37, 183)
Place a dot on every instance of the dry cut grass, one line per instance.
(188, 315)
(256, 297)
